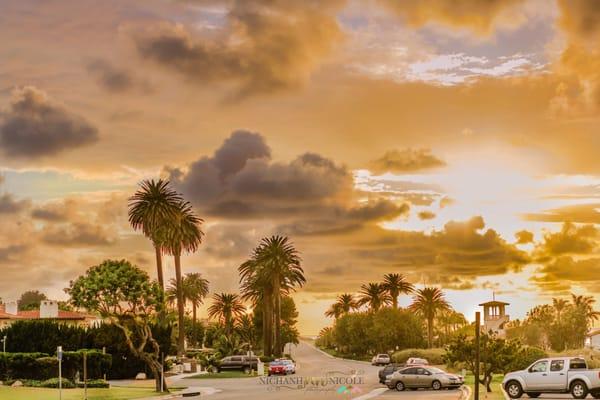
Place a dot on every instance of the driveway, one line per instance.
(319, 376)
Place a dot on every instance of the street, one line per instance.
(312, 366)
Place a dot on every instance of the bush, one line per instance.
(95, 383)
(19, 365)
(434, 356)
(526, 357)
(53, 383)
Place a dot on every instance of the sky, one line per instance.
(454, 142)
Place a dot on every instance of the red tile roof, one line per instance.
(4, 315)
(35, 314)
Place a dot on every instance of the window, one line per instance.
(236, 359)
(577, 363)
(557, 365)
(410, 371)
(422, 371)
(541, 366)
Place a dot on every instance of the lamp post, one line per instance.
(4, 344)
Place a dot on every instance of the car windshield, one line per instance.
(286, 362)
(273, 363)
(383, 356)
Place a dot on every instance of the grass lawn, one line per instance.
(483, 395)
(114, 393)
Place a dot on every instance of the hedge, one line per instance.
(41, 366)
(46, 336)
(433, 356)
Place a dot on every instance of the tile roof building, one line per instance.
(10, 313)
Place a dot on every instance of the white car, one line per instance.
(417, 361)
(554, 375)
(381, 359)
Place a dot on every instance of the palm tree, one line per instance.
(560, 305)
(258, 289)
(275, 268)
(586, 305)
(195, 289)
(374, 296)
(182, 233)
(150, 208)
(334, 311)
(428, 302)
(396, 284)
(226, 308)
(346, 303)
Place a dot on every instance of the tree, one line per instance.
(124, 295)
(559, 305)
(496, 355)
(343, 305)
(182, 234)
(150, 209)
(31, 300)
(275, 267)
(226, 308)
(334, 311)
(396, 284)
(195, 289)
(374, 295)
(428, 302)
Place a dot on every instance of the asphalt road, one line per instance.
(313, 367)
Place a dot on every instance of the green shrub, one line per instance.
(95, 383)
(434, 356)
(53, 383)
(526, 357)
(19, 365)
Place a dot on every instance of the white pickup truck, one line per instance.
(554, 375)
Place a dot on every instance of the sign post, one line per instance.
(85, 375)
(4, 344)
(59, 355)
(477, 348)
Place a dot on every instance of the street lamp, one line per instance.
(4, 344)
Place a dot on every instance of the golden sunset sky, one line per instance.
(454, 141)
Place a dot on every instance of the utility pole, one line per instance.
(477, 347)
(85, 376)
(59, 354)
(4, 344)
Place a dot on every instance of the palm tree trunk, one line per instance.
(268, 317)
(159, 269)
(194, 312)
(430, 331)
(180, 306)
(277, 294)
(395, 301)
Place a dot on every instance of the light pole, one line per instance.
(4, 344)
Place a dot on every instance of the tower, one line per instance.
(495, 317)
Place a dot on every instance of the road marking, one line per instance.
(467, 393)
(371, 394)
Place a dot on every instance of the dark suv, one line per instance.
(240, 363)
(388, 370)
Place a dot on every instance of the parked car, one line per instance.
(417, 361)
(554, 375)
(240, 363)
(423, 377)
(281, 367)
(388, 370)
(381, 359)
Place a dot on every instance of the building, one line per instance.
(495, 317)
(592, 339)
(10, 313)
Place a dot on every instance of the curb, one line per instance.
(467, 393)
(506, 396)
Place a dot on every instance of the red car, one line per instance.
(281, 367)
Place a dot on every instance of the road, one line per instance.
(313, 367)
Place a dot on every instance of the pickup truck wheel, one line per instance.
(534, 395)
(579, 390)
(514, 389)
(400, 386)
(436, 385)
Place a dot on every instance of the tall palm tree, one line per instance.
(257, 288)
(396, 284)
(182, 234)
(586, 305)
(150, 209)
(429, 302)
(374, 296)
(226, 308)
(274, 265)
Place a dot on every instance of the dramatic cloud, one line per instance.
(480, 16)
(583, 213)
(115, 79)
(563, 272)
(524, 237)
(571, 239)
(425, 215)
(405, 161)
(265, 46)
(9, 205)
(77, 234)
(34, 126)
